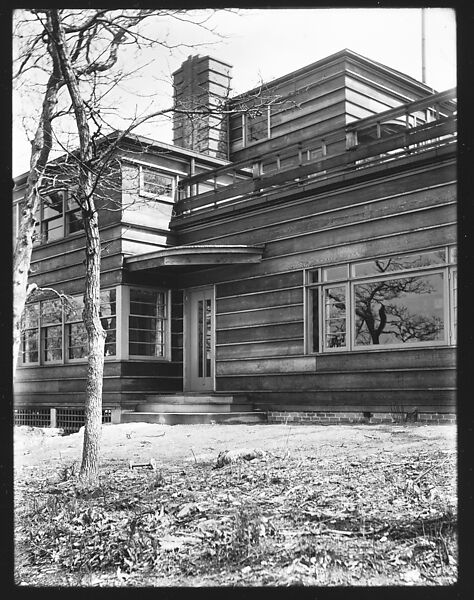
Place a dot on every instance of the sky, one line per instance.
(264, 44)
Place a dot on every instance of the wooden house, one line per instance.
(294, 260)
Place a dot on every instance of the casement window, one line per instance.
(108, 318)
(76, 334)
(30, 335)
(60, 215)
(156, 184)
(397, 301)
(147, 323)
(252, 126)
(53, 331)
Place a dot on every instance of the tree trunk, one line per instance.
(96, 336)
(40, 151)
(89, 471)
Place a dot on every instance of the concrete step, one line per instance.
(195, 398)
(188, 418)
(165, 407)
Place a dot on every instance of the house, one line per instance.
(290, 259)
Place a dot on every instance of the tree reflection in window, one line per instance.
(335, 316)
(404, 310)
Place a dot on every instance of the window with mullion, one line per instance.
(147, 321)
(156, 184)
(30, 335)
(108, 307)
(335, 316)
(396, 301)
(52, 217)
(52, 330)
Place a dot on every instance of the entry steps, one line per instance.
(190, 408)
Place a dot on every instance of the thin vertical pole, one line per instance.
(423, 45)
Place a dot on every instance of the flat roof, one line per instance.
(197, 255)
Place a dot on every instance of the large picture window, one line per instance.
(393, 301)
(147, 323)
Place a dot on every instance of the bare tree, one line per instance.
(82, 50)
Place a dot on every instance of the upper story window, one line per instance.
(395, 301)
(156, 184)
(59, 216)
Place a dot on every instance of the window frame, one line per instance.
(318, 284)
(166, 326)
(65, 335)
(65, 216)
(141, 186)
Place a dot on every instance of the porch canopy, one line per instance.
(197, 256)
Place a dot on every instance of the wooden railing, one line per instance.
(396, 132)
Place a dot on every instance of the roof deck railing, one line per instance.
(407, 129)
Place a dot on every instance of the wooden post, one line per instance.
(53, 418)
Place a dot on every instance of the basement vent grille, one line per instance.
(34, 418)
(69, 420)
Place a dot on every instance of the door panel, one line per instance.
(199, 340)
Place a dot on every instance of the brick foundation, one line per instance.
(333, 418)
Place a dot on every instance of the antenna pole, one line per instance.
(423, 45)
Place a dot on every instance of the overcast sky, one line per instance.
(266, 43)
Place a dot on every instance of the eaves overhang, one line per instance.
(196, 255)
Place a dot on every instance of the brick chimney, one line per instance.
(202, 82)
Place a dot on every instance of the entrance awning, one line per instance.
(199, 256)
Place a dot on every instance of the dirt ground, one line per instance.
(173, 444)
(336, 505)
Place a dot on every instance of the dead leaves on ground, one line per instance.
(258, 519)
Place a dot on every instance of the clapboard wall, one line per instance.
(319, 100)
(128, 226)
(260, 308)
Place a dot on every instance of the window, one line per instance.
(57, 329)
(60, 215)
(108, 319)
(76, 334)
(51, 330)
(395, 301)
(30, 334)
(154, 184)
(147, 323)
(52, 220)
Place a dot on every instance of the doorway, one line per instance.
(199, 327)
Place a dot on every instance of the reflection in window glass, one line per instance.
(29, 336)
(335, 316)
(108, 320)
(156, 184)
(399, 311)
(52, 221)
(52, 343)
(77, 340)
(400, 263)
(332, 273)
(314, 304)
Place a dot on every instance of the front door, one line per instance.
(199, 339)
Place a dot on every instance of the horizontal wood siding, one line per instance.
(260, 307)
(64, 385)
